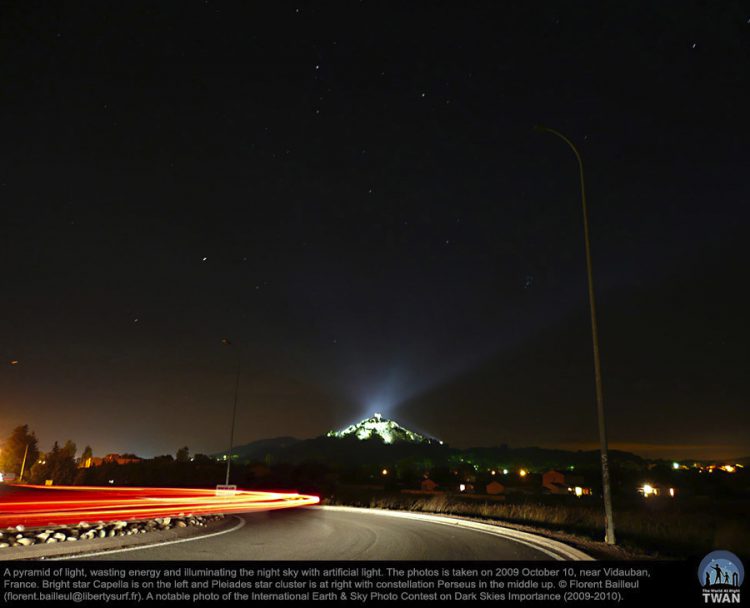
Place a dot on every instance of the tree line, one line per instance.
(20, 456)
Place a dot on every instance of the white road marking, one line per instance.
(153, 546)
(553, 548)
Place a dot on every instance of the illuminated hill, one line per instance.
(386, 430)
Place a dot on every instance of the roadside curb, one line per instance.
(554, 549)
(97, 545)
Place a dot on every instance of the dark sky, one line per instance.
(352, 193)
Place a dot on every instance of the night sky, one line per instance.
(353, 194)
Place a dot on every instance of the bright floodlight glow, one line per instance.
(675, 465)
(671, 492)
(377, 426)
(384, 471)
(523, 472)
(579, 491)
(648, 490)
(505, 471)
(462, 487)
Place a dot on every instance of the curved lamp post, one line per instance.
(610, 524)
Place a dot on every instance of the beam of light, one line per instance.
(48, 505)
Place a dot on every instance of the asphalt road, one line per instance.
(321, 534)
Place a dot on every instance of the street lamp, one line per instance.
(234, 407)
(610, 524)
(23, 464)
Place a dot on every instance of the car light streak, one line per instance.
(74, 504)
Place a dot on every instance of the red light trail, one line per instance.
(43, 506)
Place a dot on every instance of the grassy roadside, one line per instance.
(641, 535)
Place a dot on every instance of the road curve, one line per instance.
(336, 533)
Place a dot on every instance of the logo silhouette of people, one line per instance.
(717, 578)
(708, 579)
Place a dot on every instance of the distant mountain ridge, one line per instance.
(379, 441)
(257, 450)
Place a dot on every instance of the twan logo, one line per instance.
(721, 574)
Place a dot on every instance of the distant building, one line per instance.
(124, 459)
(91, 461)
(495, 487)
(555, 482)
(653, 489)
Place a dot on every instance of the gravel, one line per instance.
(20, 536)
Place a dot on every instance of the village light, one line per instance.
(461, 487)
(579, 491)
(523, 472)
(671, 492)
(384, 471)
(648, 490)
(505, 471)
(675, 465)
